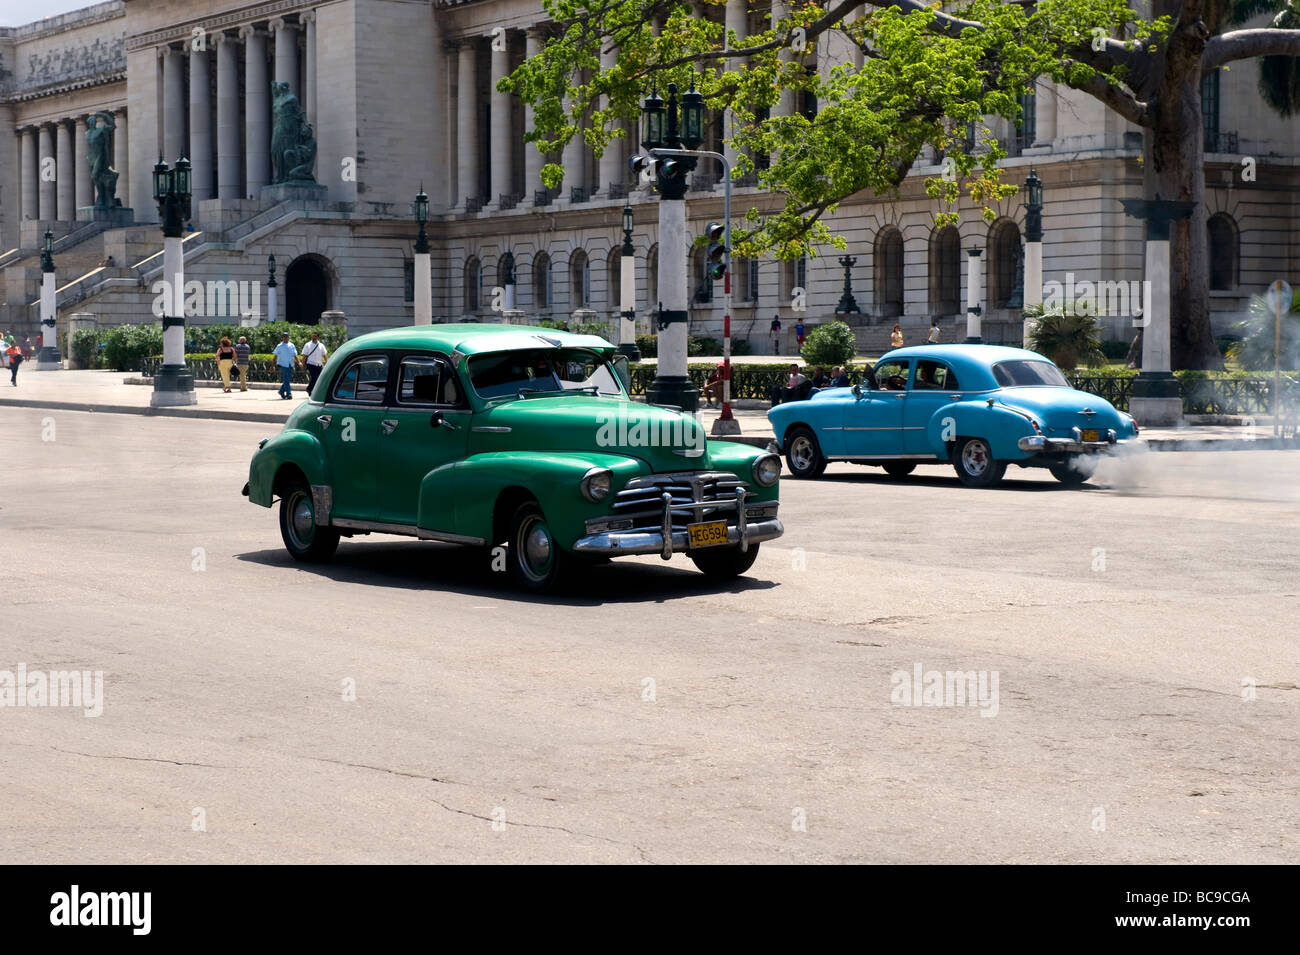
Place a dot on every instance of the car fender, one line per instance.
(299, 448)
(1001, 425)
(476, 483)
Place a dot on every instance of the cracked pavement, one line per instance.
(1122, 621)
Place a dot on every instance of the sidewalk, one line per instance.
(107, 392)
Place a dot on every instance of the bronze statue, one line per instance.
(293, 147)
(99, 157)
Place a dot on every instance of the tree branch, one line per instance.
(1122, 102)
(1244, 44)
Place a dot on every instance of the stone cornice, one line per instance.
(62, 23)
(183, 31)
(55, 89)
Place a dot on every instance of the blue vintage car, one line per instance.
(980, 407)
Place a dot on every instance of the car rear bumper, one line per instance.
(1038, 444)
(618, 543)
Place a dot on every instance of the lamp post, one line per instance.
(47, 359)
(667, 128)
(973, 296)
(1156, 400)
(627, 292)
(173, 384)
(423, 263)
(848, 304)
(272, 291)
(507, 269)
(1033, 291)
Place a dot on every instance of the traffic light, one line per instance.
(717, 255)
(672, 170)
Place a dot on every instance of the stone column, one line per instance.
(1044, 112)
(308, 19)
(467, 178)
(502, 142)
(611, 160)
(200, 153)
(785, 105)
(286, 54)
(122, 157)
(31, 175)
(174, 142)
(571, 158)
(66, 166)
(46, 170)
(229, 153)
(257, 112)
(439, 189)
(736, 21)
(973, 276)
(533, 159)
(85, 195)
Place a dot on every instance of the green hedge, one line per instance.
(696, 346)
(124, 347)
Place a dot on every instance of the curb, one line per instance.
(177, 412)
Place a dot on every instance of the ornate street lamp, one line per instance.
(272, 291)
(848, 304)
(652, 121)
(692, 119)
(1030, 276)
(173, 384)
(627, 290)
(423, 262)
(47, 359)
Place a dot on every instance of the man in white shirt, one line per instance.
(314, 354)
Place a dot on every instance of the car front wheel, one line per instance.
(1075, 469)
(303, 538)
(725, 563)
(534, 559)
(973, 460)
(803, 454)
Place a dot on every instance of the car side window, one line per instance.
(891, 375)
(934, 375)
(426, 381)
(364, 381)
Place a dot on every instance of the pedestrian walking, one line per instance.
(799, 333)
(776, 334)
(896, 336)
(14, 356)
(286, 357)
(225, 362)
(314, 354)
(27, 346)
(242, 352)
(934, 332)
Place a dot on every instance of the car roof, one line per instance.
(961, 353)
(473, 339)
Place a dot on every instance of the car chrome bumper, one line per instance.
(1037, 444)
(617, 543)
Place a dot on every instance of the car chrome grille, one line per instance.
(696, 496)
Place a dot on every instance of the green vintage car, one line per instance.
(503, 434)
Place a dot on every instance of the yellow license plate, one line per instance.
(708, 534)
(1092, 434)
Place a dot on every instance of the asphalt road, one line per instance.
(1119, 622)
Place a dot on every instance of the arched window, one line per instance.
(945, 271)
(652, 279)
(1224, 252)
(473, 280)
(542, 282)
(579, 280)
(1004, 262)
(888, 260)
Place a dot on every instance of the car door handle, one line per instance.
(324, 420)
(389, 425)
(901, 395)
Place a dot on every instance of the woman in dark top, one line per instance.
(225, 361)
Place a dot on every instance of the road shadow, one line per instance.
(449, 568)
(1012, 481)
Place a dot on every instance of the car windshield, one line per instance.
(1011, 374)
(542, 371)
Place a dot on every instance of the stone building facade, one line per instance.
(402, 93)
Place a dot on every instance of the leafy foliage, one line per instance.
(1254, 350)
(127, 345)
(1068, 338)
(829, 344)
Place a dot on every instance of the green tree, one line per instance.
(829, 344)
(925, 76)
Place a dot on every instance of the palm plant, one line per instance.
(1254, 350)
(1068, 338)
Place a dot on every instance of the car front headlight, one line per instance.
(766, 469)
(595, 484)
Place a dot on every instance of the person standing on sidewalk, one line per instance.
(314, 354)
(776, 334)
(14, 356)
(225, 362)
(286, 357)
(242, 352)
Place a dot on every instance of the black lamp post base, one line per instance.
(173, 385)
(47, 359)
(630, 352)
(674, 390)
